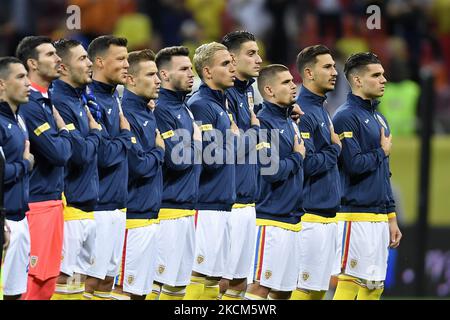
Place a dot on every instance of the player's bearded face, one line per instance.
(325, 73)
(48, 63)
(80, 66)
(181, 74)
(147, 81)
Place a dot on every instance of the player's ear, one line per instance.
(207, 74)
(308, 73)
(268, 91)
(163, 75)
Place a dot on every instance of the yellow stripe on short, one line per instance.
(71, 213)
(41, 129)
(133, 140)
(242, 205)
(392, 215)
(167, 214)
(70, 126)
(139, 223)
(361, 217)
(272, 223)
(310, 217)
(305, 135)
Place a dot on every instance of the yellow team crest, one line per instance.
(33, 261)
(161, 269)
(130, 279)
(267, 274)
(200, 259)
(305, 276)
(353, 263)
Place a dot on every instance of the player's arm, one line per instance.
(173, 138)
(52, 144)
(15, 170)
(316, 161)
(213, 141)
(354, 160)
(142, 163)
(84, 149)
(113, 150)
(268, 149)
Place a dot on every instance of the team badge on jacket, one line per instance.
(380, 119)
(251, 102)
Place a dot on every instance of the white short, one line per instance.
(110, 235)
(317, 250)
(212, 242)
(78, 251)
(139, 260)
(365, 250)
(239, 260)
(15, 268)
(176, 246)
(276, 258)
(339, 239)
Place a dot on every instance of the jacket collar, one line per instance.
(277, 110)
(67, 89)
(242, 86)
(5, 110)
(367, 104)
(134, 101)
(312, 97)
(172, 96)
(217, 95)
(103, 87)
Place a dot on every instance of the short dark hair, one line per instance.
(135, 57)
(165, 55)
(5, 62)
(308, 56)
(27, 48)
(358, 61)
(101, 44)
(63, 47)
(267, 73)
(235, 39)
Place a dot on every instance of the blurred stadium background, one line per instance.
(413, 44)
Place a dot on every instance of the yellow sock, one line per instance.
(87, 296)
(211, 291)
(367, 294)
(67, 296)
(347, 288)
(119, 296)
(318, 295)
(154, 295)
(301, 294)
(172, 293)
(195, 289)
(233, 295)
(101, 295)
(66, 292)
(251, 296)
